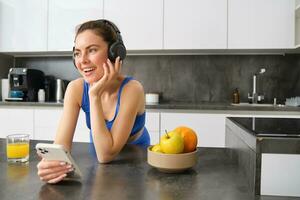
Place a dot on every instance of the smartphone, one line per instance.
(58, 152)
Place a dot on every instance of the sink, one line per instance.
(253, 104)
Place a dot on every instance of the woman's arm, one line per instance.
(68, 121)
(109, 143)
(55, 171)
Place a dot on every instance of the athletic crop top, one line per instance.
(139, 122)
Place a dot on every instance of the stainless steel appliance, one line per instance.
(24, 84)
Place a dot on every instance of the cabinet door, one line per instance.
(153, 126)
(23, 25)
(256, 24)
(16, 120)
(64, 16)
(46, 122)
(140, 22)
(210, 128)
(195, 24)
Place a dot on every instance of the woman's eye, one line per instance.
(92, 50)
(75, 55)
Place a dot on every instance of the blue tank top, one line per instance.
(139, 122)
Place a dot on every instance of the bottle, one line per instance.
(236, 96)
(41, 95)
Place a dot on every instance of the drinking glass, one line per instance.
(17, 148)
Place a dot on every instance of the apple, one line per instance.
(172, 143)
(156, 148)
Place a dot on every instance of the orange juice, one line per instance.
(17, 150)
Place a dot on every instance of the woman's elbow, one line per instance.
(104, 159)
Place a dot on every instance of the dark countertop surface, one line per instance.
(128, 177)
(270, 127)
(181, 106)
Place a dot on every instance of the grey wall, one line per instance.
(198, 78)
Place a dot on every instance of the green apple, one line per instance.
(156, 148)
(172, 143)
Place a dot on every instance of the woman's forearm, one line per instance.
(102, 137)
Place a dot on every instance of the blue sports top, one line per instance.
(139, 122)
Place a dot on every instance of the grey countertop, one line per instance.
(128, 177)
(179, 106)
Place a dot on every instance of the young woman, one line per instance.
(114, 104)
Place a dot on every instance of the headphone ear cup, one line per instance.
(116, 49)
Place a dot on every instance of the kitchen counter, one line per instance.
(128, 177)
(212, 107)
(265, 149)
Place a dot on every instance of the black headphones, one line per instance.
(116, 48)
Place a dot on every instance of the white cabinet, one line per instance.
(297, 23)
(46, 122)
(64, 16)
(23, 25)
(140, 22)
(15, 121)
(195, 24)
(153, 126)
(256, 24)
(210, 128)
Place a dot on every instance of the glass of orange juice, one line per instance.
(17, 148)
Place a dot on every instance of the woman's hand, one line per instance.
(111, 72)
(53, 171)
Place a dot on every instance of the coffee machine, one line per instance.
(24, 83)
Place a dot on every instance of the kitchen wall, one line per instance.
(196, 78)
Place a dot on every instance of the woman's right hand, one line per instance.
(53, 171)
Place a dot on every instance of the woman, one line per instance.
(114, 104)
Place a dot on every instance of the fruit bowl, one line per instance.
(171, 163)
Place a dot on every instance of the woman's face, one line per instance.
(90, 53)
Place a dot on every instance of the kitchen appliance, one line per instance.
(50, 88)
(24, 84)
(60, 89)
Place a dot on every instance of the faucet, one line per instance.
(255, 97)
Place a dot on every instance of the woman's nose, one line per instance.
(83, 58)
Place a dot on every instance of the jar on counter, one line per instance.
(41, 95)
(236, 96)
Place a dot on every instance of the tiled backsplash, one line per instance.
(196, 78)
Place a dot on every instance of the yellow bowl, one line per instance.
(171, 163)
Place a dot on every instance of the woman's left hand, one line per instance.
(111, 72)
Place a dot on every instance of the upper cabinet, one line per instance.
(64, 16)
(257, 24)
(140, 22)
(23, 25)
(195, 24)
(297, 23)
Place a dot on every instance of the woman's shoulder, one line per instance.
(76, 84)
(75, 89)
(134, 86)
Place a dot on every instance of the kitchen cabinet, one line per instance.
(195, 24)
(64, 16)
(210, 128)
(140, 22)
(23, 25)
(153, 126)
(297, 23)
(16, 121)
(256, 24)
(46, 122)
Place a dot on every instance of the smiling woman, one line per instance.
(114, 104)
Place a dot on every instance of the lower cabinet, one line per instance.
(46, 122)
(17, 120)
(153, 126)
(210, 128)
